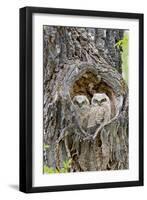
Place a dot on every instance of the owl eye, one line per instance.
(103, 100)
(76, 103)
(95, 101)
(85, 102)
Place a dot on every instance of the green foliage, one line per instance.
(45, 146)
(64, 169)
(49, 170)
(124, 55)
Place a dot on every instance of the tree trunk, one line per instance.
(83, 61)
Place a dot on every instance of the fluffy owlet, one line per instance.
(82, 106)
(100, 111)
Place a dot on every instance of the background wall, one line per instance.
(9, 101)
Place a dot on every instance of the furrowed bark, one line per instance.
(83, 61)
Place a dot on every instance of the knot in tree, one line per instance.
(85, 100)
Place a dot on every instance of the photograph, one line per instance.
(85, 99)
(81, 99)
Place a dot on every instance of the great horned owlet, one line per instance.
(82, 106)
(100, 111)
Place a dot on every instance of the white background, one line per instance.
(9, 111)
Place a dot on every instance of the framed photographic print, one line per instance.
(81, 99)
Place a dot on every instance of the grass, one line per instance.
(64, 169)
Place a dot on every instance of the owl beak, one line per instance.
(99, 103)
(80, 105)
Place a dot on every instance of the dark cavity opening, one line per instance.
(89, 84)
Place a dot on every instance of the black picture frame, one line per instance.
(25, 182)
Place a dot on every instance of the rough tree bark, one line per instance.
(83, 61)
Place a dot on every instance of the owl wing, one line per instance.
(99, 116)
(92, 117)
